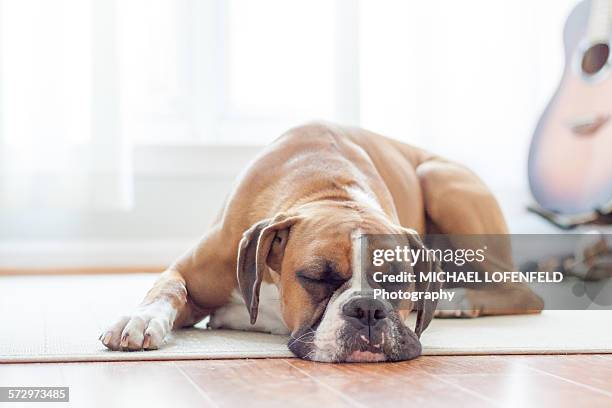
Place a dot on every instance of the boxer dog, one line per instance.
(283, 254)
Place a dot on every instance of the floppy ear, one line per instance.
(425, 308)
(261, 245)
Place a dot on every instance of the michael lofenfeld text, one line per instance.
(457, 256)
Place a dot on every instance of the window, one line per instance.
(156, 82)
(438, 74)
(236, 71)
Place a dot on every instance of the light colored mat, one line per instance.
(59, 318)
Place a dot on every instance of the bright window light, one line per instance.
(281, 58)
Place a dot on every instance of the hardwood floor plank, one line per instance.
(516, 384)
(431, 381)
(31, 375)
(130, 384)
(391, 384)
(260, 383)
(590, 371)
(461, 365)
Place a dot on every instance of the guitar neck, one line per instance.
(600, 20)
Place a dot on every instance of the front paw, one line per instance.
(145, 329)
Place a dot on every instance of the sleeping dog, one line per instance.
(283, 255)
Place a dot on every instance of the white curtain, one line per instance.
(61, 144)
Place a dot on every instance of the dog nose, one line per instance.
(365, 310)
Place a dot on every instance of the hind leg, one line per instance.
(507, 299)
(458, 203)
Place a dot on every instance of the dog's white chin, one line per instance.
(365, 357)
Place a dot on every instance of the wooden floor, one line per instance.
(475, 381)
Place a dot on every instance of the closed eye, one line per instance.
(328, 280)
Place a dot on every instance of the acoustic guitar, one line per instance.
(570, 159)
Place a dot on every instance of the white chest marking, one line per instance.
(326, 337)
(235, 316)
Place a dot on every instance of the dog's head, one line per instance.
(326, 289)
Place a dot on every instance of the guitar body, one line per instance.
(570, 159)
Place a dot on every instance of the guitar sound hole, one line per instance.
(595, 58)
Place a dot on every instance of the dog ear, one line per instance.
(425, 308)
(261, 245)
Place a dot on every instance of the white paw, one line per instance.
(460, 306)
(145, 329)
